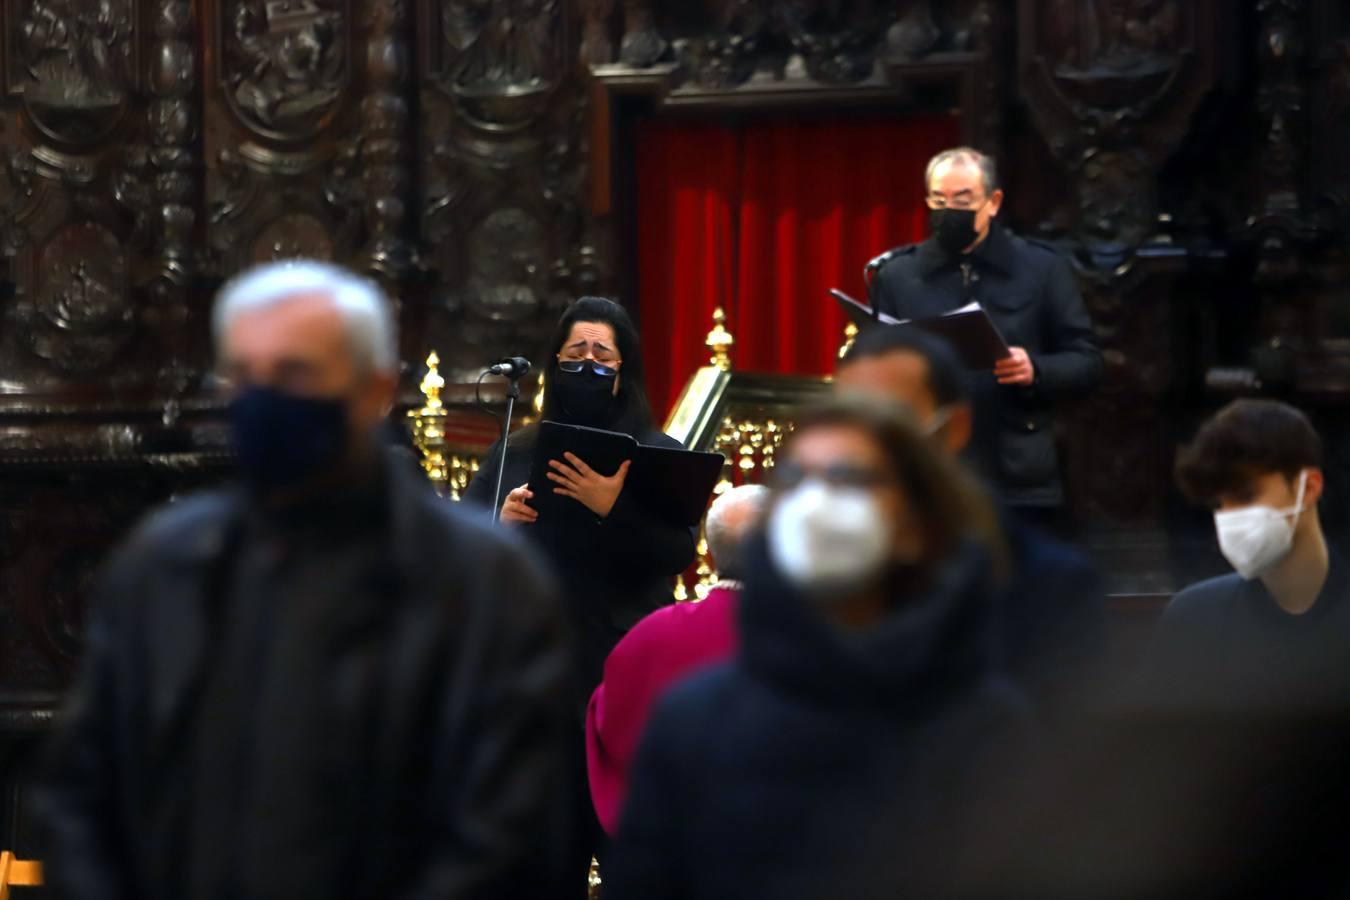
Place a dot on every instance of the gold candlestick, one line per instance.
(428, 426)
(720, 341)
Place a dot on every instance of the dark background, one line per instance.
(1193, 156)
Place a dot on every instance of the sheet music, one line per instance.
(969, 329)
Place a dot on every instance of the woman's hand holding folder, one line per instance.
(516, 509)
(583, 484)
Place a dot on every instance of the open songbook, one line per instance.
(970, 331)
(672, 483)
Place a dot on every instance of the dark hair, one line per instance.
(635, 413)
(1243, 441)
(947, 378)
(947, 500)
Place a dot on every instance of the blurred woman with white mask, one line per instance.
(865, 697)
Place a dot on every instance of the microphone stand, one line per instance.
(869, 275)
(512, 395)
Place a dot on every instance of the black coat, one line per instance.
(767, 776)
(444, 704)
(1029, 291)
(614, 572)
(1051, 617)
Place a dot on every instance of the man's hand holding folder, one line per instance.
(969, 330)
(1016, 368)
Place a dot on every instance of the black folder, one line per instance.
(674, 484)
(970, 331)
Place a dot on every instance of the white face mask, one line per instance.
(828, 538)
(1255, 538)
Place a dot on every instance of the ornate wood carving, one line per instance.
(642, 44)
(72, 74)
(1112, 86)
(285, 64)
(1279, 224)
(385, 140)
(282, 179)
(74, 63)
(500, 215)
(915, 32)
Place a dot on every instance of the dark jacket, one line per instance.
(614, 572)
(765, 776)
(1029, 291)
(1224, 644)
(1052, 617)
(442, 710)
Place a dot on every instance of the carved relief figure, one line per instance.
(1101, 36)
(596, 47)
(286, 61)
(293, 236)
(80, 314)
(837, 40)
(81, 300)
(501, 43)
(74, 55)
(507, 258)
(642, 43)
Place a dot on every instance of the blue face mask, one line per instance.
(283, 439)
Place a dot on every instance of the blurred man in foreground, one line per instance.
(1051, 617)
(325, 682)
(664, 647)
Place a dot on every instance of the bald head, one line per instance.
(731, 517)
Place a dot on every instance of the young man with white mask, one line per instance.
(1275, 633)
(1052, 623)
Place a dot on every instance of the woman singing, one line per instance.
(618, 568)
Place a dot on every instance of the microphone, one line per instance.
(512, 367)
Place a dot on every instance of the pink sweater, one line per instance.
(660, 650)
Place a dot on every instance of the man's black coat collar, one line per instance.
(994, 252)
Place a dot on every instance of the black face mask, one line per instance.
(283, 439)
(584, 397)
(953, 229)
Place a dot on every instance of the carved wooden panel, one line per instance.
(280, 131)
(501, 165)
(71, 86)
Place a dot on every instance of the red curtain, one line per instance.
(763, 220)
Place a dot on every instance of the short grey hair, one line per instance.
(367, 315)
(986, 164)
(724, 538)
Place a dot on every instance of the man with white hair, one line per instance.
(664, 647)
(324, 682)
